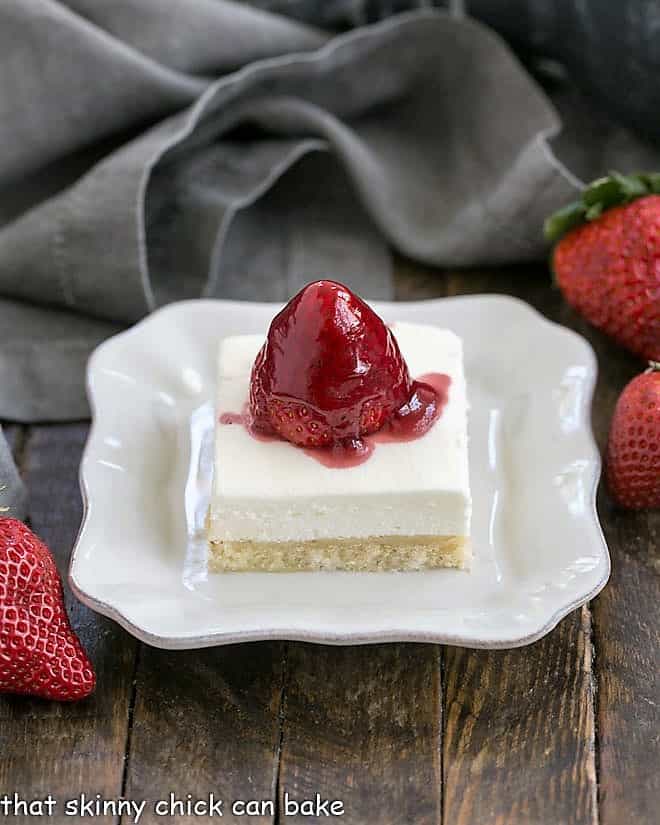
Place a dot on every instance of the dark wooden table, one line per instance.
(564, 731)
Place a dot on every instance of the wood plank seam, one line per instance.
(129, 726)
(593, 687)
(281, 717)
(441, 732)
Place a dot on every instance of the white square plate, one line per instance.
(538, 548)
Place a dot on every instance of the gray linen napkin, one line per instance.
(152, 150)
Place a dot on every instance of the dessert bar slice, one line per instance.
(390, 495)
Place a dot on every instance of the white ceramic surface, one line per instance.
(538, 548)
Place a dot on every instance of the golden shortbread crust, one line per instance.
(376, 553)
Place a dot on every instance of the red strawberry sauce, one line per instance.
(412, 421)
(330, 378)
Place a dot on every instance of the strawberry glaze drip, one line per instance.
(414, 419)
(331, 380)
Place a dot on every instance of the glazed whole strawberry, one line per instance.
(331, 371)
(607, 258)
(39, 653)
(633, 449)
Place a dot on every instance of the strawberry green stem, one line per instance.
(602, 194)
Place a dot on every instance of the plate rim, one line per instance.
(219, 638)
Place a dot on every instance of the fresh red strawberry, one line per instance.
(330, 370)
(39, 653)
(607, 259)
(633, 449)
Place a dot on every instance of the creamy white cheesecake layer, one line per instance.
(269, 491)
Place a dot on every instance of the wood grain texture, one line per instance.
(363, 725)
(626, 617)
(48, 747)
(627, 629)
(519, 733)
(207, 722)
(519, 743)
(627, 638)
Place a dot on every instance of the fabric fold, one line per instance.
(65, 83)
(213, 37)
(416, 155)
